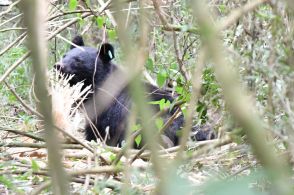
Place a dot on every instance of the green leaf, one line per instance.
(154, 102)
(135, 127)
(100, 21)
(111, 35)
(72, 4)
(174, 66)
(81, 20)
(35, 166)
(202, 110)
(161, 104)
(167, 104)
(161, 77)
(159, 123)
(138, 140)
(112, 157)
(12, 98)
(6, 182)
(149, 64)
(184, 111)
(179, 90)
(88, 3)
(222, 8)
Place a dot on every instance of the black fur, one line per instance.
(78, 40)
(80, 61)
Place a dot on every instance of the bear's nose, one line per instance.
(58, 66)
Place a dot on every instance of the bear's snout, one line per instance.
(58, 66)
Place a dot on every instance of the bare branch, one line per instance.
(35, 22)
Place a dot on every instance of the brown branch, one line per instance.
(41, 187)
(180, 62)
(159, 13)
(18, 132)
(187, 47)
(196, 87)
(68, 13)
(108, 13)
(72, 174)
(178, 28)
(98, 170)
(37, 145)
(212, 145)
(10, 29)
(147, 153)
(20, 172)
(35, 23)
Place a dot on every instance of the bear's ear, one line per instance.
(106, 52)
(77, 40)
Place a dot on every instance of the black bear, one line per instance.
(94, 67)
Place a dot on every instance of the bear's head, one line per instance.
(86, 63)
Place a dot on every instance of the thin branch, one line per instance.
(39, 115)
(36, 145)
(18, 132)
(10, 19)
(179, 28)
(9, 8)
(139, 131)
(238, 13)
(98, 170)
(68, 13)
(14, 66)
(20, 172)
(26, 106)
(41, 187)
(11, 29)
(35, 22)
(26, 55)
(196, 87)
(108, 13)
(180, 62)
(240, 106)
(13, 43)
(225, 23)
(211, 146)
(165, 126)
